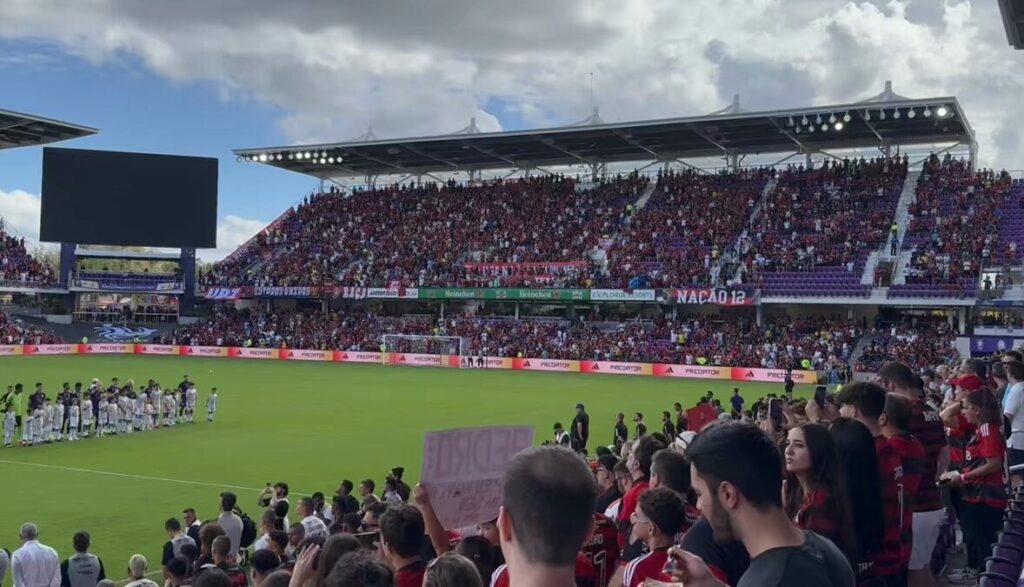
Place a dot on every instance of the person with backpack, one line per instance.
(230, 521)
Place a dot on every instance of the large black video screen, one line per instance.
(128, 199)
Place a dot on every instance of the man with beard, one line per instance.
(736, 471)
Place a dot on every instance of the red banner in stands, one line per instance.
(301, 355)
(11, 349)
(699, 417)
(691, 371)
(546, 365)
(157, 349)
(615, 368)
(204, 351)
(105, 348)
(51, 349)
(772, 375)
(357, 357)
(247, 353)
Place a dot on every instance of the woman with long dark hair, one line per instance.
(859, 461)
(815, 491)
(980, 479)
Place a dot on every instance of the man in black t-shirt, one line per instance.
(621, 434)
(736, 470)
(580, 432)
(641, 428)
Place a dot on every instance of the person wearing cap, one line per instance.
(608, 489)
(230, 521)
(580, 432)
(969, 378)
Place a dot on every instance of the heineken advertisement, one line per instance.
(512, 294)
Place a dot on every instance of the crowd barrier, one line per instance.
(418, 360)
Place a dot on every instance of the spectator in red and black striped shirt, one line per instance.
(658, 518)
(926, 426)
(895, 422)
(981, 478)
(815, 496)
(865, 402)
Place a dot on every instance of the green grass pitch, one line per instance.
(309, 424)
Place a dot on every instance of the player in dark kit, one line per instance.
(621, 432)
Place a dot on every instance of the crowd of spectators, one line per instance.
(920, 345)
(17, 265)
(809, 343)
(690, 220)
(953, 226)
(14, 331)
(437, 235)
(829, 216)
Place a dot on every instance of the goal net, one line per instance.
(395, 344)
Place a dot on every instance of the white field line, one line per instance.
(131, 476)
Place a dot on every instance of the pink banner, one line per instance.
(157, 349)
(51, 349)
(301, 355)
(691, 371)
(615, 368)
(204, 351)
(102, 348)
(416, 360)
(772, 375)
(546, 365)
(246, 353)
(357, 357)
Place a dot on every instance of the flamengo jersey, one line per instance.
(602, 550)
(585, 575)
(649, 566)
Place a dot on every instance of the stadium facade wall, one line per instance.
(418, 360)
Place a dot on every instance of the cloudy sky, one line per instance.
(200, 77)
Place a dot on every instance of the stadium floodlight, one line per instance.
(307, 155)
(323, 154)
(911, 114)
(279, 157)
(942, 111)
(790, 122)
(824, 127)
(881, 115)
(291, 156)
(330, 160)
(323, 161)
(927, 112)
(803, 120)
(818, 119)
(847, 118)
(838, 126)
(896, 114)
(810, 129)
(867, 116)
(263, 157)
(797, 130)
(832, 118)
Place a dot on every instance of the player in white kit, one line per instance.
(73, 414)
(158, 406)
(102, 416)
(170, 409)
(10, 423)
(57, 412)
(211, 404)
(190, 403)
(86, 410)
(38, 425)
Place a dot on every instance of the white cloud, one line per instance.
(20, 213)
(232, 232)
(333, 68)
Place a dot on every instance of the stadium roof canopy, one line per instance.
(879, 122)
(27, 130)
(1013, 19)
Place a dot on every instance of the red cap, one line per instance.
(969, 382)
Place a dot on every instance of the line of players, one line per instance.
(73, 415)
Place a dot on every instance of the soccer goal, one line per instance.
(397, 344)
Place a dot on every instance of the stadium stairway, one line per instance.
(644, 197)
(769, 186)
(860, 347)
(902, 263)
(868, 277)
(599, 254)
(907, 197)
